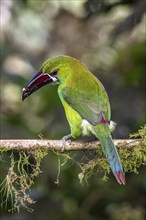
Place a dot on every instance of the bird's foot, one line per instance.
(64, 139)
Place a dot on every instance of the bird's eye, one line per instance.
(54, 72)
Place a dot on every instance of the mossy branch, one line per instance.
(25, 158)
(56, 145)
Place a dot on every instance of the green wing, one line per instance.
(91, 106)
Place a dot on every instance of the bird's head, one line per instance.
(52, 71)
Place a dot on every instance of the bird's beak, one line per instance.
(39, 80)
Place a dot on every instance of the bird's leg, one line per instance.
(64, 139)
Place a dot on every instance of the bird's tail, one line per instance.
(112, 156)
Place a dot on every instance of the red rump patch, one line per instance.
(103, 121)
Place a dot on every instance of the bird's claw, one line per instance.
(64, 139)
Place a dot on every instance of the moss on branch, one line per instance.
(131, 158)
(25, 164)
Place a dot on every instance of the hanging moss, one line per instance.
(25, 167)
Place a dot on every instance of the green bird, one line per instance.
(85, 102)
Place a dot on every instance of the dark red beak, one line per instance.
(39, 80)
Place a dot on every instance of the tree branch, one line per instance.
(56, 145)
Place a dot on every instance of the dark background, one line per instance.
(109, 38)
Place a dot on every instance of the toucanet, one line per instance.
(85, 102)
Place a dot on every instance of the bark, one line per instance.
(56, 145)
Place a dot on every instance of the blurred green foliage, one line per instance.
(32, 31)
(133, 58)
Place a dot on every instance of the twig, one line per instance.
(56, 145)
